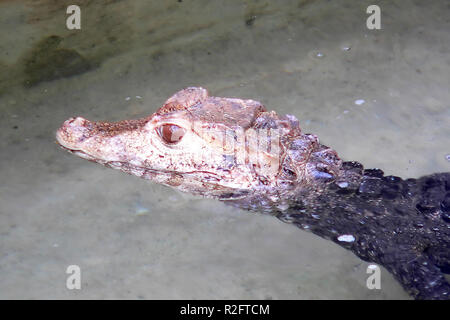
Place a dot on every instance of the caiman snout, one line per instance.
(73, 132)
(103, 142)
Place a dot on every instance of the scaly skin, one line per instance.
(236, 151)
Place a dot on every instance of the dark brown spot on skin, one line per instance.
(175, 180)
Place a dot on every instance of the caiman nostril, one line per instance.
(78, 121)
(75, 121)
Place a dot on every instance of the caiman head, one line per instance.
(223, 148)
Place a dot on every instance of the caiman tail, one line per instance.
(236, 151)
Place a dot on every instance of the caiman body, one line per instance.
(236, 151)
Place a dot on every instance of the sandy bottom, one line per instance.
(134, 239)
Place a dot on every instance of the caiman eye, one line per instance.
(170, 133)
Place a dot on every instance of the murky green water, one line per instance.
(380, 97)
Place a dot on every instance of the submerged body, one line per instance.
(236, 151)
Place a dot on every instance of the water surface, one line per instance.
(380, 97)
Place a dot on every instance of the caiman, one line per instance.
(236, 151)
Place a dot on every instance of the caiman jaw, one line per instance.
(216, 147)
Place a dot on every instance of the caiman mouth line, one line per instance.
(79, 153)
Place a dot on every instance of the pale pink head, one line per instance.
(219, 147)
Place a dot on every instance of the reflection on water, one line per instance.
(376, 96)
